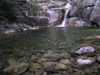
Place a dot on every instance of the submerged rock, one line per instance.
(84, 61)
(98, 59)
(11, 61)
(17, 69)
(61, 66)
(47, 64)
(34, 67)
(91, 37)
(85, 49)
(65, 61)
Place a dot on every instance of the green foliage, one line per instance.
(79, 5)
(82, 7)
(35, 13)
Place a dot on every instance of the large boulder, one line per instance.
(95, 15)
(78, 22)
(85, 2)
(86, 12)
(53, 17)
(75, 11)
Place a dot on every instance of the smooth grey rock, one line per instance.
(85, 2)
(84, 61)
(78, 22)
(86, 12)
(75, 11)
(65, 61)
(95, 15)
(85, 50)
(60, 66)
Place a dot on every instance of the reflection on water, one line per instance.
(63, 39)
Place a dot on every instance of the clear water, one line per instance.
(57, 39)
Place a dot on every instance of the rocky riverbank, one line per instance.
(83, 14)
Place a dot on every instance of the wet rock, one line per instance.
(65, 61)
(64, 55)
(51, 69)
(47, 64)
(85, 50)
(56, 74)
(17, 69)
(34, 58)
(88, 72)
(61, 66)
(91, 37)
(34, 67)
(44, 73)
(39, 72)
(84, 61)
(74, 21)
(98, 59)
(11, 61)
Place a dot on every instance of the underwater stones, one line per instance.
(92, 37)
(34, 58)
(17, 69)
(98, 59)
(11, 61)
(65, 61)
(84, 61)
(39, 72)
(34, 67)
(85, 49)
(61, 66)
(51, 69)
(47, 64)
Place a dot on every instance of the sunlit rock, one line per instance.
(85, 49)
(78, 22)
(65, 61)
(91, 37)
(17, 69)
(61, 66)
(84, 61)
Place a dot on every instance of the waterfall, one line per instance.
(64, 21)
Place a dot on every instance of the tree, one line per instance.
(8, 10)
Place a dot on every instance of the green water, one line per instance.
(35, 42)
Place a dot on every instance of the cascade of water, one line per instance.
(64, 21)
(67, 8)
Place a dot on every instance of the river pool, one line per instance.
(36, 42)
